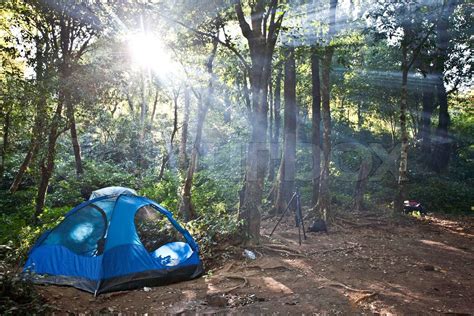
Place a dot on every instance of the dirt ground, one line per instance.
(364, 266)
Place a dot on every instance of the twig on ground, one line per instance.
(350, 288)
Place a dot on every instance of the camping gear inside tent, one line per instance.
(111, 191)
(113, 243)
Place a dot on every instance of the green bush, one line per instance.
(164, 192)
(438, 194)
(213, 228)
(69, 189)
(19, 234)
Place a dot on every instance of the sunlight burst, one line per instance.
(149, 53)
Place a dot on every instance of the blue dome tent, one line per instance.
(113, 243)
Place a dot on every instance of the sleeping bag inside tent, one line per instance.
(114, 243)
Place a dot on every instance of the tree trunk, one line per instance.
(142, 126)
(442, 143)
(74, 139)
(32, 151)
(261, 35)
(39, 123)
(47, 162)
(425, 124)
(315, 126)
(182, 157)
(271, 122)
(324, 200)
(360, 186)
(360, 118)
(186, 207)
(155, 103)
(275, 139)
(169, 152)
(403, 167)
(5, 143)
(286, 178)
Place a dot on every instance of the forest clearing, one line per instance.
(149, 150)
(368, 266)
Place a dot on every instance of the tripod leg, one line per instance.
(297, 217)
(299, 234)
(283, 214)
(300, 212)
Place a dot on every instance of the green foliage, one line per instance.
(438, 194)
(18, 233)
(18, 297)
(164, 192)
(70, 189)
(214, 227)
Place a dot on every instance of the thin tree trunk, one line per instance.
(425, 124)
(315, 126)
(324, 201)
(186, 207)
(130, 103)
(360, 118)
(403, 167)
(271, 123)
(155, 103)
(392, 129)
(74, 139)
(360, 186)
(38, 127)
(286, 178)
(167, 156)
(275, 139)
(227, 110)
(182, 157)
(143, 104)
(5, 143)
(142, 126)
(47, 162)
(32, 151)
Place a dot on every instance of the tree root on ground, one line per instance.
(364, 297)
(280, 267)
(338, 284)
(283, 250)
(233, 277)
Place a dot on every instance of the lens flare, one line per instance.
(149, 53)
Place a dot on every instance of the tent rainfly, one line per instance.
(113, 243)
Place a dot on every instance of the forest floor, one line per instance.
(364, 265)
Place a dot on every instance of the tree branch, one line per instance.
(417, 50)
(226, 44)
(244, 26)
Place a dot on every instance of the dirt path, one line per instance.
(362, 266)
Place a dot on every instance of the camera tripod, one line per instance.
(298, 215)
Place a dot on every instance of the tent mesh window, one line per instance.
(82, 232)
(154, 229)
